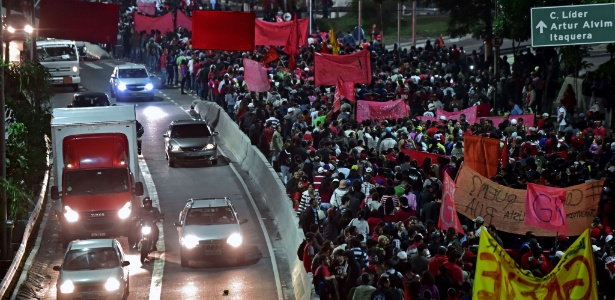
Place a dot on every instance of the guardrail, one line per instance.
(8, 279)
(252, 161)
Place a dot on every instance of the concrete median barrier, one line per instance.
(253, 162)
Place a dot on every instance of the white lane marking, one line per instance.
(92, 65)
(156, 286)
(274, 263)
(112, 65)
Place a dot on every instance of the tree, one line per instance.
(473, 17)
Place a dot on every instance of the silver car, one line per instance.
(208, 227)
(93, 269)
(190, 140)
(131, 81)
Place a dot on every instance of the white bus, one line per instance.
(61, 58)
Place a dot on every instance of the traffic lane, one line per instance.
(252, 280)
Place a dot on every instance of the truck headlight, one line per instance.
(234, 240)
(125, 211)
(146, 230)
(190, 241)
(176, 148)
(149, 86)
(209, 146)
(121, 86)
(67, 287)
(75, 69)
(112, 284)
(70, 215)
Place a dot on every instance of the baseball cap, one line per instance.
(513, 121)
(363, 156)
(402, 255)
(321, 170)
(419, 128)
(443, 118)
(559, 254)
(546, 115)
(479, 219)
(562, 238)
(368, 170)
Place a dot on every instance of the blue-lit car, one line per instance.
(132, 81)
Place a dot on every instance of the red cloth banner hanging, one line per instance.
(469, 112)
(147, 24)
(55, 21)
(544, 208)
(355, 67)
(482, 154)
(255, 76)
(147, 8)
(211, 30)
(420, 156)
(182, 20)
(343, 90)
(448, 212)
(271, 55)
(276, 33)
(369, 110)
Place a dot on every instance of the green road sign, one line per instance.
(573, 25)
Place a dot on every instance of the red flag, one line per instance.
(75, 20)
(505, 154)
(271, 55)
(276, 33)
(355, 67)
(544, 207)
(183, 20)
(325, 48)
(148, 8)
(342, 90)
(255, 76)
(448, 213)
(147, 24)
(292, 42)
(292, 63)
(211, 30)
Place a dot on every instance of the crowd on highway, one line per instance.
(368, 210)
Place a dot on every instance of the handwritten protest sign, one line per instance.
(544, 207)
(369, 110)
(504, 207)
(498, 276)
(448, 215)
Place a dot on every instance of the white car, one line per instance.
(131, 81)
(208, 227)
(93, 269)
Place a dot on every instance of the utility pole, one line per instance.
(3, 201)
(399, 24)
(413, 23)
(359, 22)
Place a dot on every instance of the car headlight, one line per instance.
(176, 148)
(75, 69)
(125, 211)
(149, 86)
(190, 241)
(234, 240)
(210, 146)
(146, 230)
(112, 284)
(121, 86)
(70, 215)
(67, 287)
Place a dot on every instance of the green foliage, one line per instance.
(513, 19)
(468, 17)
(573, 59)
(28, 92)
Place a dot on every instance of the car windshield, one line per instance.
(190, 131)
(91, 259)
(210, 216)
(93, 182)
(132, 73)
(57, 53)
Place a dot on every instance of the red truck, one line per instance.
(96, 171)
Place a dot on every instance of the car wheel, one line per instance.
(75, 87)
(183, 259)
(171, 163)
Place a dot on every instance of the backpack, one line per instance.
(301, 249)
(318, 280)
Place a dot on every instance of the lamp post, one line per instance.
(3, 202)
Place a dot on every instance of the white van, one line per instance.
(61, 58)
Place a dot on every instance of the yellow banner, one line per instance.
(498, 276)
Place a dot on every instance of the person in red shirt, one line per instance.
(542, 120)
(308, 252)
(599, 231)
(483, 109)
(600, 130)
(453, 269)
(439, 259)
(535, 261)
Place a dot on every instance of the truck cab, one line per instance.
(96, 172)
(61, 58)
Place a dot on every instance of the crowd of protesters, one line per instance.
(369, 212)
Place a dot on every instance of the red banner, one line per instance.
(147, 24)
(182, 20)
(355, 67)
(211, 30)
(343, 90)
(448, 212)
(528, 120)
(544, 207)
(469, 112)
(276, 33)
(481, 154)
(59, 20)
(369, 110)
(420, 156)
(255, 76)
(271, 55)
(148, 8)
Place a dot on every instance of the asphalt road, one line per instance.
(173, 186)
